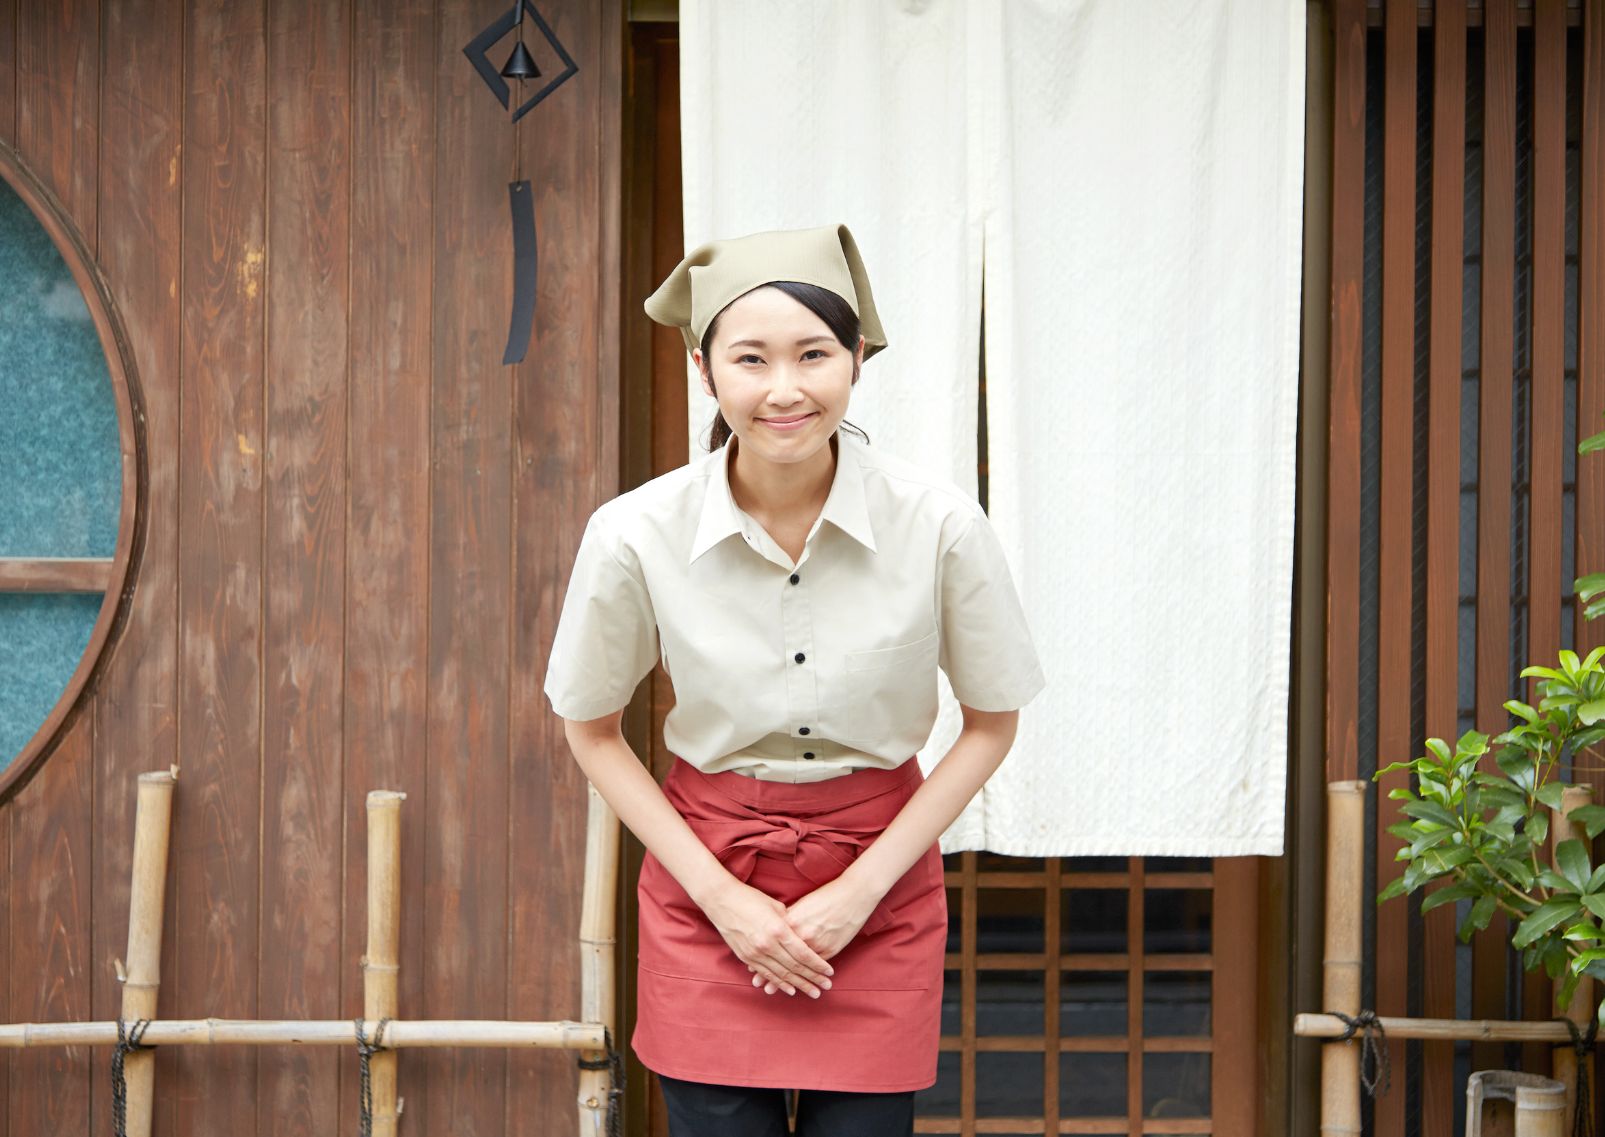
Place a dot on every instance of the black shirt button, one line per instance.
(808, 753)
(795, 579)
(802, 730)
(799, 657)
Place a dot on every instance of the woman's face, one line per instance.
(781, 377)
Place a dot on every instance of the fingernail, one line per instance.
(825, 983)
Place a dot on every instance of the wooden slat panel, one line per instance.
(1394, 742)
(1343, 461)
(136, 727)
(968, 900)
(58, 102)
(1234, 997)
(1052, 917)
(49, 823)
(387, 586)
(216, 848)
(1442, 662)
(466, 870)
(562, 424)
(1134, 997)
(55, 574)
(308, 196)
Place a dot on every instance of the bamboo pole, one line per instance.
(1581, 1008)
(142, 975)
(1340, 985)
(560, 1035)
(382, 960)
(597, 939)
(1454, 1030)
(1541, 1111)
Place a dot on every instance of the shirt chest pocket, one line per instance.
(892, 689)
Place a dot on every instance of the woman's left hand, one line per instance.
(829, 917)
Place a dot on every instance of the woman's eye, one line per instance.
(749, 355)
(814, 351)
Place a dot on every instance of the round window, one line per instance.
(66, 471)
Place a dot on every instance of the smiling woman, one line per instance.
(66, 471)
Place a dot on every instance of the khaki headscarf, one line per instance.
(713, 275)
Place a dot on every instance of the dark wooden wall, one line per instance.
(358, 526)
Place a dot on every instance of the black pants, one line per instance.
(697, 1109)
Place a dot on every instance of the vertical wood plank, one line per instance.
(7, 956)
(1443, 504)
(8, 82)
(969, 901)
(466, 939)
(565, 424)
(1235, 1067)
(387, 653)
(1136, 994)
(1591, 322)
(136, 725)
(217, 845)
(1497, 386)
(1548, 419)
(49, 822)
(308, 223)
(1394, 742)
(1052, 979)
(58, 102)
(1343, 461)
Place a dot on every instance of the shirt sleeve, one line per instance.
(607, 636)
(987, 650)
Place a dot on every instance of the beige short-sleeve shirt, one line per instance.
(789, 671)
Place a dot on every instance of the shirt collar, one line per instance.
(846, 506)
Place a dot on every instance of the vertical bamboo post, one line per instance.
(1340, 983)
(597, 939)
(141, 976)
(381, 963)
(1581, 1008)
(1541, 1112)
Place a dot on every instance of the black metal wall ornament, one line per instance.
(521, 68)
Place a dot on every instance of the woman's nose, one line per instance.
(783, 387)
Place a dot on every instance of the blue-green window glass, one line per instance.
(59, 461)
(60, 466)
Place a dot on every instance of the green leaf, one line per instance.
(1583, 959)
(1394, 888)
(1521, 710)
(1538, 828)
(1590, 713)
(1585, 931)
(1438, 897)
(1549, 915)
(1591, 585)
(1477, 919)
(1422, 844)
(1433, 812)
(1595, 610)
(1595, 904)
(1533, 671)
(1555, 882)
(1592, 443)
(1592, 819)
(1550, 794)
(1572, 860)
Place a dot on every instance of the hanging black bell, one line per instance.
(520, 64)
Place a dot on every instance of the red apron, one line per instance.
(698, 1016)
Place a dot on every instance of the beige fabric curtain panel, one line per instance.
(1127, 174)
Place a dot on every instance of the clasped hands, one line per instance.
(788, 947)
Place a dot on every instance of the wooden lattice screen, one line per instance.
(1467, 296)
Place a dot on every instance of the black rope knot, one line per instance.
(366, 1050)
(614, 1062)
(1583, 1047)
(128, 1038)
(1375, 1068)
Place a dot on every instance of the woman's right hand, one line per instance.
(754, 925)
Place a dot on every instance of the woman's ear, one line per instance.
(702, 370)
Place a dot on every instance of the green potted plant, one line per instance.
(1486, 833)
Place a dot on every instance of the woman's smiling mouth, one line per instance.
(788, 422)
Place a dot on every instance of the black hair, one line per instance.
(838, 316)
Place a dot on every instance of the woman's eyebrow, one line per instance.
(762, 343)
